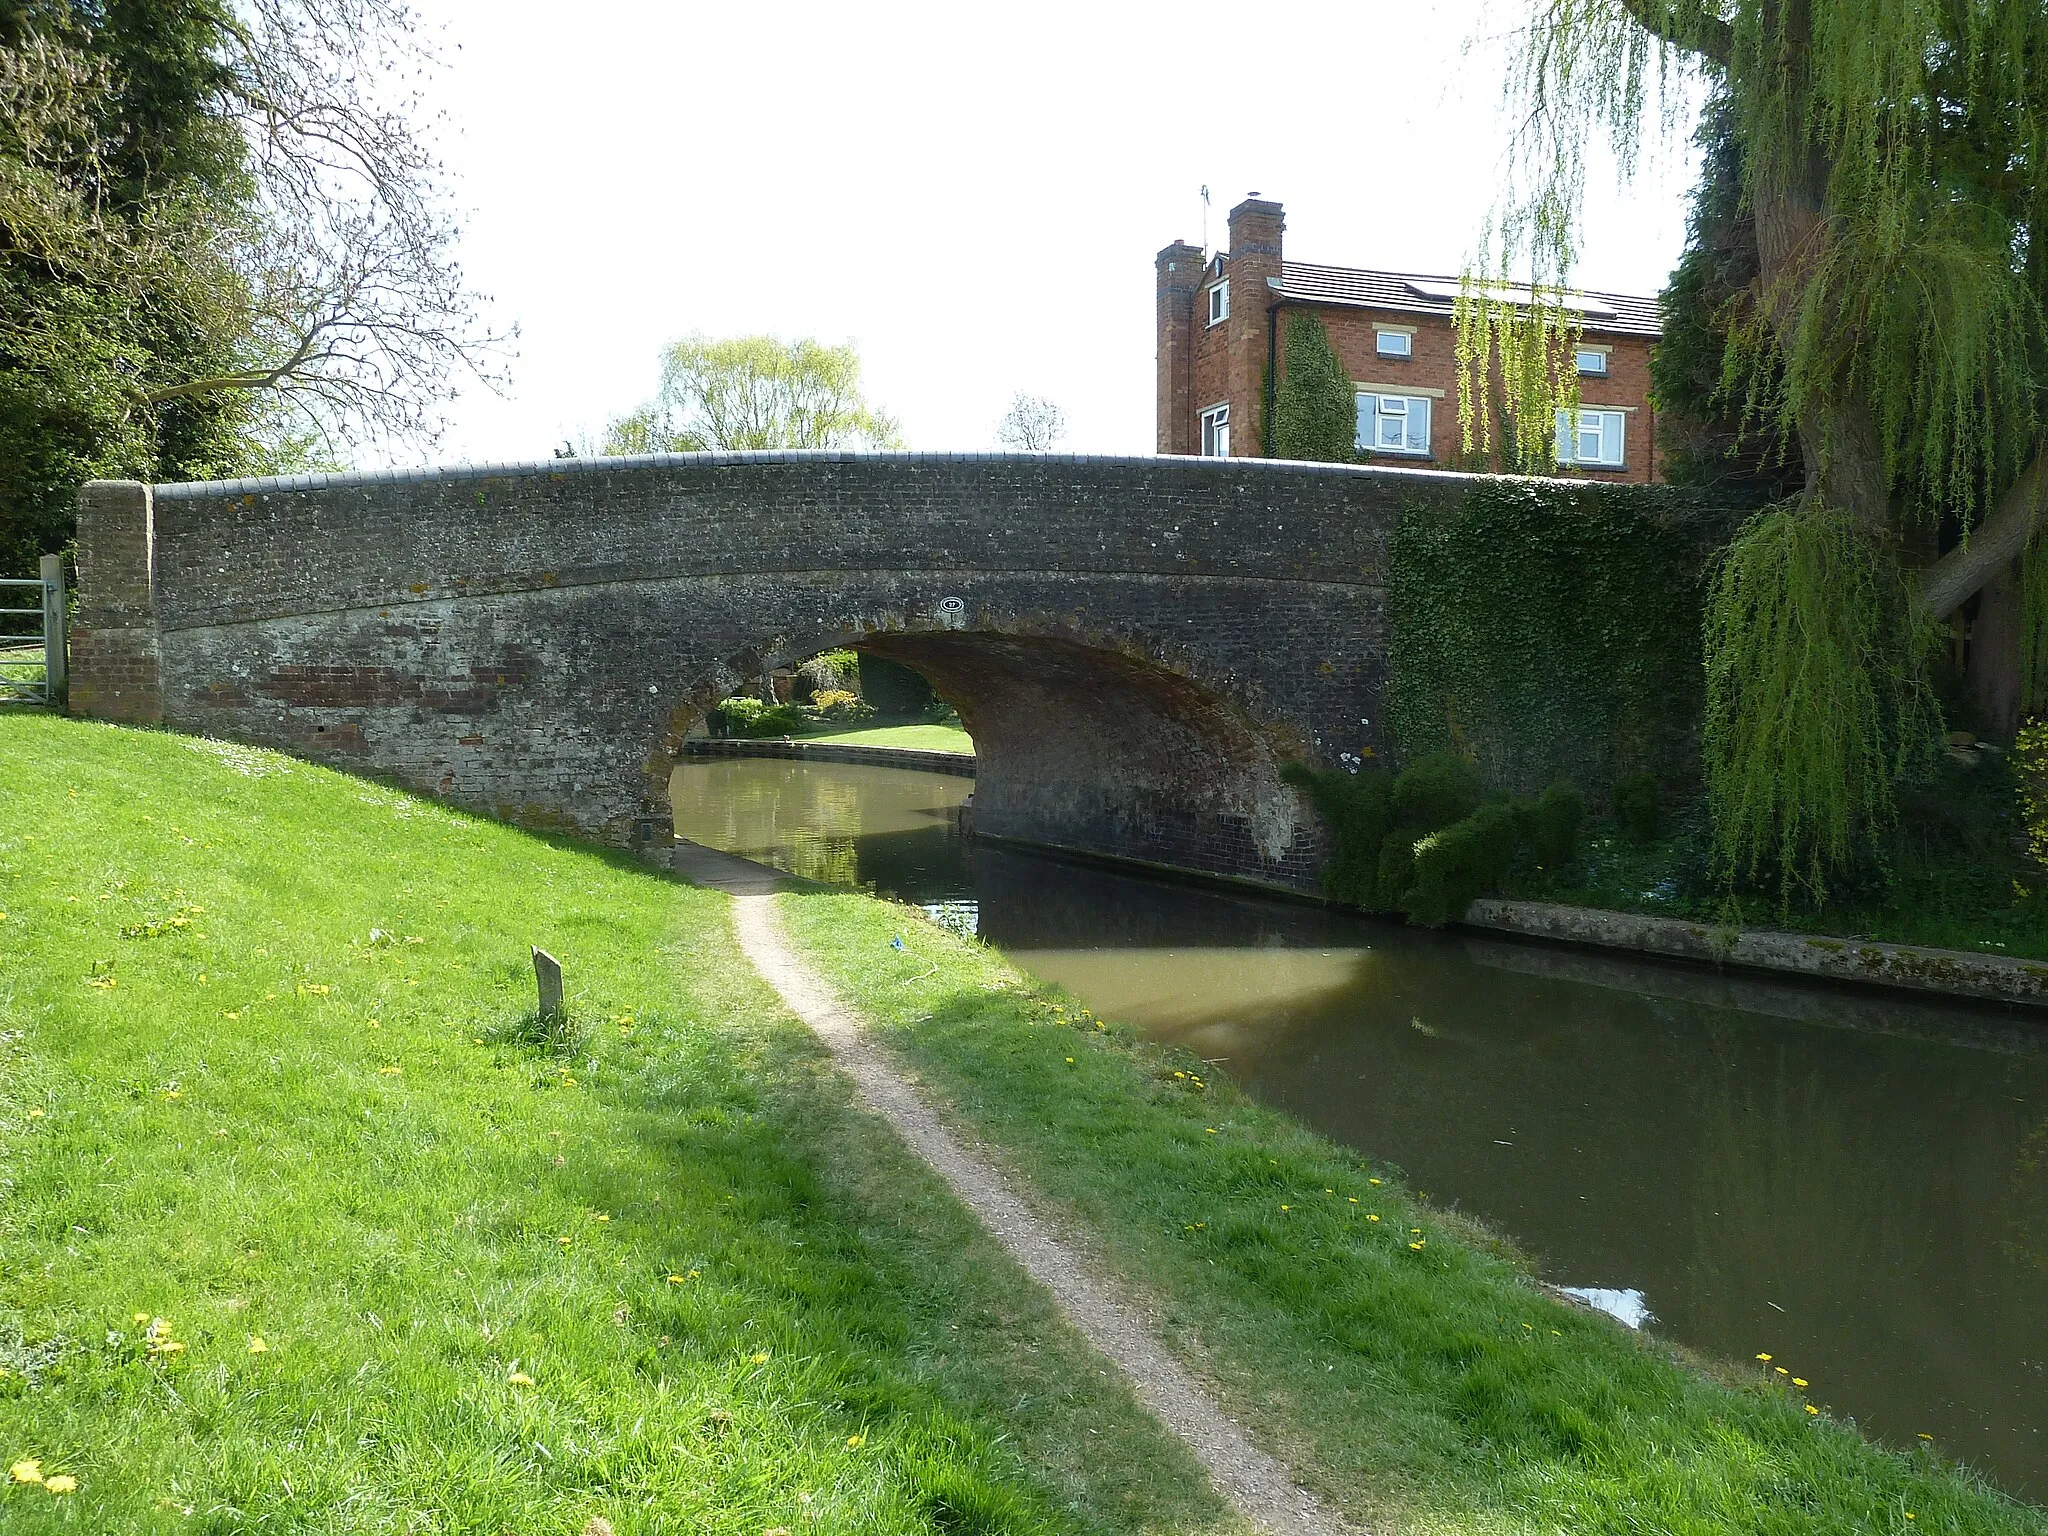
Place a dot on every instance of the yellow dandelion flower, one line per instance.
(600, 1216)
(1211, 1130)
(1811, 1409)
(1763, 1357)
(564, 1241)
(1800, 1381)
(257, 1346)
(1416, 1246)
(1927, 1437)
(675, 1279)
(142, 1317)
(27, 1470)
(1781, 1370)
(390, 1071)
(35, 1114)
(1286, 1207)
(693, 1273)
(1354, 1199)
(1372, 1218)
(519, 1379)
(759, 1357)
(854, 1441)
(1372, 1181)
(1070, 1061)
(64, 1483)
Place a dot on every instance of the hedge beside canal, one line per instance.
(1402, 1357)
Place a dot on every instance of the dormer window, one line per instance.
(1394, 341)
(1219, 302)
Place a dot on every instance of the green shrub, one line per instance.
(1635, 807)
(1452, 867)
(1396, 866)
(1435, 791)
(828, 671)
(838, 704)
(1358, 812)
(1549, 825)
(749, 717)
(1315, 408)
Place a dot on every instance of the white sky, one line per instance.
(972, 193)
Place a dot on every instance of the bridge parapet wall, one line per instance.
(1136, 642)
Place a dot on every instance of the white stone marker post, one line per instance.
(547, 974)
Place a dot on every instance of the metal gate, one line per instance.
(32, 654)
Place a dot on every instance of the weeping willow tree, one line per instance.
(1893, 163)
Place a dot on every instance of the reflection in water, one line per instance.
(1854, 1183)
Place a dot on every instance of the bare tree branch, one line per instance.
(2002, 536)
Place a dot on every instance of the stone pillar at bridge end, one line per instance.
(116, 646)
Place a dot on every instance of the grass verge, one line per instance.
(1400, 1357)
(304, 1226)
(923, 738)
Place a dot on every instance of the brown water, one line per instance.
(1853, 1183)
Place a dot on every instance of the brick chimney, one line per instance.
(1256, 228)
(1178, 273)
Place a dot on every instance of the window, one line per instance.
(1593, 362)
(1219, 302)
(1215, 432)
(1595, 438)
(1393, 423)
(1396, 343)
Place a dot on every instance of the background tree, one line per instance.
(1315, 408)
(1714, 431)
(221, 249)
(1890, 162)
(1032, 424)
(751, 392)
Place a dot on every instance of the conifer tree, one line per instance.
(1315, 410)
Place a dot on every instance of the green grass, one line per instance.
(1410, 1359)
(924, 738)
(266, 1071)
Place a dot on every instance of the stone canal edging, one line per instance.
(959, 764)
(1945, 972)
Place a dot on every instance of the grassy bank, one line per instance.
(304, 1227)
(924, 738)
(1398, 1350)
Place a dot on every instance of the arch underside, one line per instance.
(1087, 747)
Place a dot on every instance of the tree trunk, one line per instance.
(1844, 457)
(1991, 676)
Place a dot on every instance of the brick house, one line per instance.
(1223, 337)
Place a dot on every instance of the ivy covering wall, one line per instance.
(1552, 631)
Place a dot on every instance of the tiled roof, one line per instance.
(1622, 314)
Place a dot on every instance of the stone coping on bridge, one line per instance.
(195, 490)
(922, 760)
(1957, 973)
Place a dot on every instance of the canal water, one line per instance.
(1853, 1183)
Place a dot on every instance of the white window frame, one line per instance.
(1600, 357)
(1216, 431)
(1219, 302)
(1610, 426)
(1386, 407)
(1393, 341)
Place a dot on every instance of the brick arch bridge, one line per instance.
(1135, 643)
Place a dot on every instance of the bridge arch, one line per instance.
(1110, 743)
(1136, 643)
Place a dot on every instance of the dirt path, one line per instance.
(1259, 1487)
